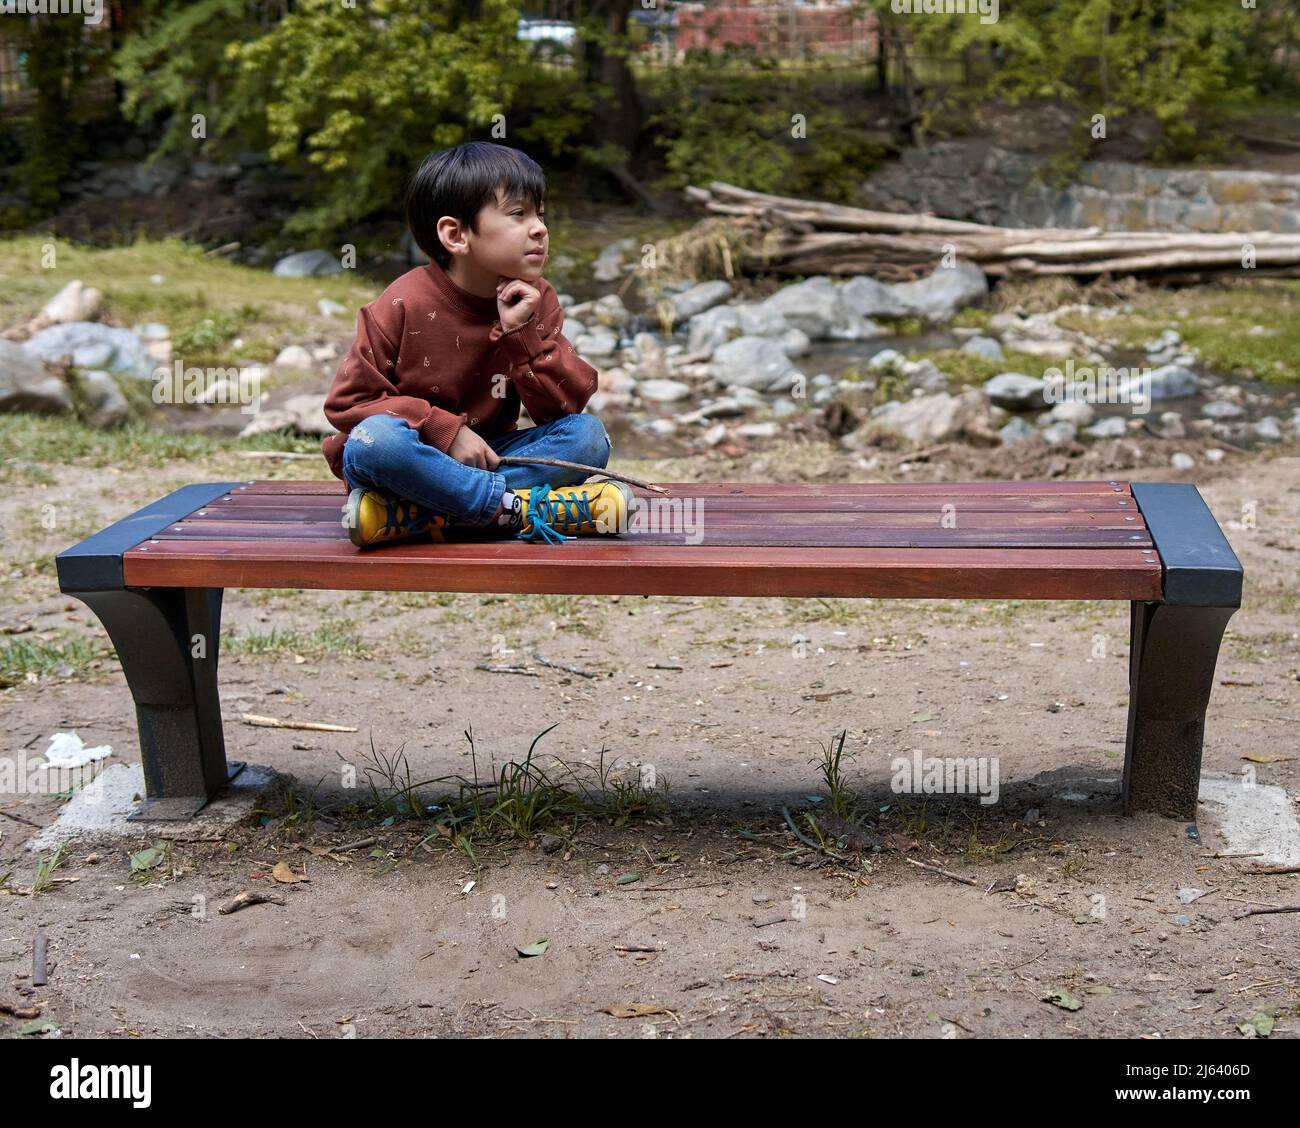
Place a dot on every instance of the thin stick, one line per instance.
(568, 669)
(1262, 912)
(516, 459)
(946, 873)
(1272, 869)
(39, 969)
(309, 726)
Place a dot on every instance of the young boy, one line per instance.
(428, 397)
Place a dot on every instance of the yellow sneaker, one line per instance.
(558, 514)
(375, 517)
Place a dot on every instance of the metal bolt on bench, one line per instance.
(156, 580)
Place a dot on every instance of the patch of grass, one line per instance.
(840, 612)
(831, 766)
(45, 870)
(66, 658)
(1247, 326)
(195, 288)
(972, 318)
(35, 442)
(334, 637)
(967, 369)
(519, 800)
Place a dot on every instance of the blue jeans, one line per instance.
(385, 452)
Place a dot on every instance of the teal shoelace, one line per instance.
(393, 518)
(543, 510)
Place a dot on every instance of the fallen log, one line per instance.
(785, 235)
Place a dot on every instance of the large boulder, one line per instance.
(1170, 381)
(720, 324)
(812, 305)
(932, 419)
(308, 264)
(94, 346)
(950, 289)
(308, 412)
(863, 296)
(753, 362)
(1016, 391)
(26, 385)
(105, 402)
(700, 297)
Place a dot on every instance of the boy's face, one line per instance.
(510, 232)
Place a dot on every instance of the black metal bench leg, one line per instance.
(167, 640)
(1171, 672)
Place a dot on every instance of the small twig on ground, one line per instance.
(249, 898)
(921, 456)
(40, 947)
(1262, 912)
(785, 812)
(603, 470)
(946, 873)
(310, 726)
(19, 818)
(1256, 854)
(568, 669)
(508, 670)
(1255, 870)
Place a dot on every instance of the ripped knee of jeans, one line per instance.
(360, 433)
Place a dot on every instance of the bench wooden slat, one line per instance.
(792, 533)
(615, 566)
(759, 489)
(805, 503)
(255, 522)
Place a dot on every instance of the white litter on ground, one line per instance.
(1255, 819)
(102, 807)
(68, 750)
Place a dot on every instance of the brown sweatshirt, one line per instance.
(426, 351)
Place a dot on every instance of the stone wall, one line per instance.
(988, 184)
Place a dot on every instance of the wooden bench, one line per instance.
(155, 580)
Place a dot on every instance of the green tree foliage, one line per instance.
(351, 96)
(1173, 59)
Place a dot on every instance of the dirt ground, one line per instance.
(745, 931)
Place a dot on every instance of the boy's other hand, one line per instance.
(468, 448)
(516, 302)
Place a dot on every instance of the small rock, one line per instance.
(1078, 412)
(1108, 427)
(986, 347)
(74, 302)
(1222, 409)
(1015, 391)
(1058, 433)
(1172, 425)
(764, 430)
(307, 264)
(662, 391)
(1268, 429)
(295, 356)
(1181, 461)
(714, 435)
(1017, 431)
(1214, 454)
(329, 308)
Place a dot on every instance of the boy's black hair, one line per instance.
(459, 181)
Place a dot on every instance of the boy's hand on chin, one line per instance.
(517, 301)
